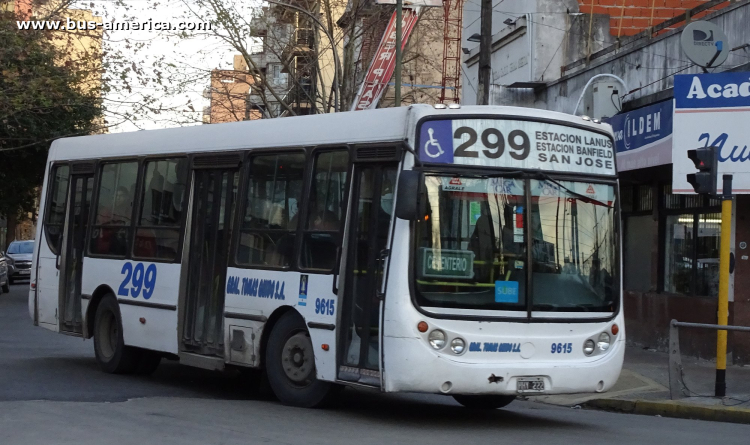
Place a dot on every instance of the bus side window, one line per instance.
(54, 218)
(326, 211)
(114, 209)
(157, 233)
(269, 222)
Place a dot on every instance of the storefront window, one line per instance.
(692, 254)
(679, 254)
(707, 254)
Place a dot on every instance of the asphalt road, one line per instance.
(52, 392)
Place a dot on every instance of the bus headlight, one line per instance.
(588, 347)
(437, 339)
(458, 345)
(603, 343)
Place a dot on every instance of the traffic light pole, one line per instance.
(724, 271)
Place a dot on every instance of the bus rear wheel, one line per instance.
(290, 364)
(110, 350)
(484, 402)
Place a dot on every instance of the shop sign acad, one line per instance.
(712, 110)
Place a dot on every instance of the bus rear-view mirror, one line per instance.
(406, 196)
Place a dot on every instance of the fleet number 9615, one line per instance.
(562, 348)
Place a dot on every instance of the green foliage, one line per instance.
(41, 99)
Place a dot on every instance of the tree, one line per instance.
(41, 98)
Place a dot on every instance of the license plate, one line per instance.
(530, 384)
(24, 272)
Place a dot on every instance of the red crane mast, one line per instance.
(451, 84)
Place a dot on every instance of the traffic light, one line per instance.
(706, 161)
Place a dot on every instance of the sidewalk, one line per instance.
(643, 388)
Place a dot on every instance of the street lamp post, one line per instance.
(336, 61)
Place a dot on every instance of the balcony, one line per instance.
(261, 60)
(302, 44)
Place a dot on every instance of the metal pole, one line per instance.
(485, 42)
(723, 312)
(397, 80)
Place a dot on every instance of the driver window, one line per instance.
(114, 209)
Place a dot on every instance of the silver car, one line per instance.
(18, 257)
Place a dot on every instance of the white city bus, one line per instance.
(472, 252)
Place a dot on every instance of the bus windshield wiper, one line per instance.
(505, 174)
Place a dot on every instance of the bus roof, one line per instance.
(380, 125)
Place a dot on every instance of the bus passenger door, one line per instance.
(213, 202)
(71, 265)
(372, 202)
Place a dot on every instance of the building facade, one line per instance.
(292, 61)
(229, 95)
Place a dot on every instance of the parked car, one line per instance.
(4, 284)
(18, 257)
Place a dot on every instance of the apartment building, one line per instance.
(229, 95)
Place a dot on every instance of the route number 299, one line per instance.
(142, 279)
(493, 142)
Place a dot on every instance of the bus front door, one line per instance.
(74, 237)
(213, 200)
(373, 187)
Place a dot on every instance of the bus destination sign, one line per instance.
(516, 144)
(445, 263)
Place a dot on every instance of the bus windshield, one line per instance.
(472, 249)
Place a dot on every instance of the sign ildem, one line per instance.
(643, 137)
(712, 110)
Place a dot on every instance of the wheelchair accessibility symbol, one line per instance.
(432, 146)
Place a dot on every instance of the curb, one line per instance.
(671, 408)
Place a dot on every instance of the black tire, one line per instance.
(290, 365)
(484, 402)
(10, 281)
(111, 353)
(6, 287)
(148, 362)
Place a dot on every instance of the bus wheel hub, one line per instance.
(296, 358)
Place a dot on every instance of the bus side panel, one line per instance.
(48, 283)
(44, 273)
(261, 292)
(142, 284)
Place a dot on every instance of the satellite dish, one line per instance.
(705, 44)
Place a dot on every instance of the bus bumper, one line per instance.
(441, 375)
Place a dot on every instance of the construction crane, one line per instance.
(451, 84)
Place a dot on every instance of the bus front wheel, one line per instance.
(110, 350)
(290, 364)
(484, 402)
